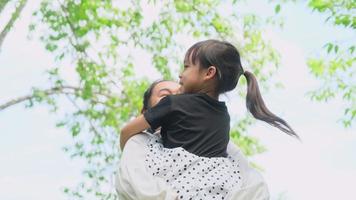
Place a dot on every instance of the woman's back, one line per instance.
(195, 122)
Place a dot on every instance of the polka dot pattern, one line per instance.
(191, 176)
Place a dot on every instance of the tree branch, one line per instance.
(72, 29)
(11, 22)
(96, 132)
(49, 92)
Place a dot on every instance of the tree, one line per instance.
(101, 39)
(336, 68)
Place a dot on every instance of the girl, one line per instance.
(195, 124)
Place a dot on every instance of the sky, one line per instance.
(322, 166)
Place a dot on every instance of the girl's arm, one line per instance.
(132, 128)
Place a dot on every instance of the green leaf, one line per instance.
(316, 66)
(277, 9)
(329, 47)
(183, 6)
(75, 129)
(51, 47)
(336, 48)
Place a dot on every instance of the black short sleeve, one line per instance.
(155, 115)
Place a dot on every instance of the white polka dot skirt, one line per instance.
(191, 176)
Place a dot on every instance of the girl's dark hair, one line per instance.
(147, 95)
(225, 57)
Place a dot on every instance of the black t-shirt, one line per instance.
(195, 122)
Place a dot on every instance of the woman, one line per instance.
(135, 182)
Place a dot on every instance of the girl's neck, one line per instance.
(210, 93)
(210, 88)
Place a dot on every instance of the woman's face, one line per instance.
(163, 89)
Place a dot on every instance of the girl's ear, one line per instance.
(210, 72)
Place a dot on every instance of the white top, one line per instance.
(134, 182)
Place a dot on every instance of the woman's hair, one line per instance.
(147, 95)
(225, 57)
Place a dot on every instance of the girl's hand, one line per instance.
(134, 127)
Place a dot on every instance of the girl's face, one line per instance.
(191, 78)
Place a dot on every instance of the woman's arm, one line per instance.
(132, 128)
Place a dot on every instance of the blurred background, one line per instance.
(72, 72)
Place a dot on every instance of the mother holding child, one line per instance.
(179, 148)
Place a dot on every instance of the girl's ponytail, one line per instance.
(258, 109)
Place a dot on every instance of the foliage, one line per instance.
(335, 66)
(249, 145)
(14, 16)
(100, 40)
(336, 69)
